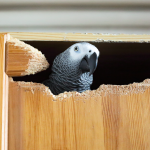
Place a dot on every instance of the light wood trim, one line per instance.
(80, 37)
(3, 95)
(110, 118)
(23, 59)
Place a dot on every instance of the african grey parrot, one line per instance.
(72, 70)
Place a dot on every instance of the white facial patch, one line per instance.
(90, 49)
(80, 50)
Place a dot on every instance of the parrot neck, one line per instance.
(61, 83)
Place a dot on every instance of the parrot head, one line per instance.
(77, 59)
(87, 56)
(72, 70)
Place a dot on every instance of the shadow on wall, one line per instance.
(119, 63)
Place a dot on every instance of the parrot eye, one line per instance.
(89, 50)
(76, 48)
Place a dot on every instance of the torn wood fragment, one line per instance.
(23, 59)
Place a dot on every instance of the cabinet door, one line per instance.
(111, 117)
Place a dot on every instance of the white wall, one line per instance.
(97, 16)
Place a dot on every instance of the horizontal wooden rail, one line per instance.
(97, 37)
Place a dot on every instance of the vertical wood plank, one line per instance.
(3, 95)
(14, 118)
(110, 118)
(40, 121)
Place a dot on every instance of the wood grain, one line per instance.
(80, 37)
(110, 118)
(3, 95)
(23, 59)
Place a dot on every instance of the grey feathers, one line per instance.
(72, 69)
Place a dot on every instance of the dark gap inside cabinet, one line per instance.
(119, 63)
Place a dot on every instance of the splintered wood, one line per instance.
(109, 118)
(22, 59)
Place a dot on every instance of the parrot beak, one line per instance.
(89, 64)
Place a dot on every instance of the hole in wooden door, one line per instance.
(119, 63)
